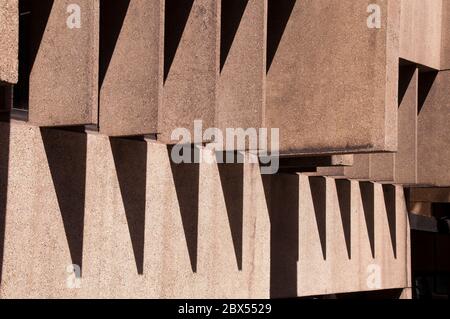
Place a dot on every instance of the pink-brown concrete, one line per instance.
(131, 64)
(9, 40)
(64, 76)
(359, 113)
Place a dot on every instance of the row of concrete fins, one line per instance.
(137, 67)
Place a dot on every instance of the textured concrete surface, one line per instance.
(191, 67)
(9, 41)
(421, 32)
(64, 76)
(445, 53)
(241, 92)
(140, 226)
(360, 113)
(131, 66)
(433, 138)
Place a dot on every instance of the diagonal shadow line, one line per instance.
(406, 74)
(31, 31)
(389, 193)
(232, 181)
(176, 17)
(186, 178)
(4, 171)
(426, 81)
(66, 155)
(318, 193)
(231, 16)
(281, 192)
(368, 200)
(343, 188)
(112, 17)
(130, 159)
(279, 12)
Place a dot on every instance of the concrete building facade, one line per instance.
(347, 99)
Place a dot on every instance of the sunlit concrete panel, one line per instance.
(332, 86)
(9, 40)
(131, 66)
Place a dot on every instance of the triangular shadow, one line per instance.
(343, 188)
(368, 201)
(389, 193)
(319, 193)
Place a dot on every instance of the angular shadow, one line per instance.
(176, 17)
(391, 211)
(66, 155)
(281, 192)
(186, 177)
(368, 200)
(319, 192)
(279, 12)
(33, 20)
(4, 170)
(130, 159)
(343, 188)
(406, 74)
(231, 16)
(112, 16)
(426, 81)
(232, 181)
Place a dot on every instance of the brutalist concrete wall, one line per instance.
(139, 225)
(9, 40)
(64, 62)
(337, 48)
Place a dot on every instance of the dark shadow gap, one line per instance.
(426, 80)
(343, 188)
(130, 159)
(112, 16)
(33, 19)
(279, 12)
(66, 155)
(176, 17)
(186, 177)
(406, 74)
(232, 181)
(319, 198)
(391, 212)
(231, 16)
(368, 200)
(281, 192)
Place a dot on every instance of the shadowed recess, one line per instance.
(186, 177)
(281, 192)
(176, 16)
(112, 16)
(66, 155)
(232, 181)
(4, 166)
(231, 16)
(426, 81)
(406, 74)
(130, 159)
(391, 212)
(343, 188)
(33, 19)
(368, 200)
(319, 198)
(279, 12)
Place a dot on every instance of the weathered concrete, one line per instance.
(433, 134)
(445, 52)
(131, 66)
(9, 41)
(421, 32)
(64, 60)
(191, 66)
(241, 93)
(360, 113)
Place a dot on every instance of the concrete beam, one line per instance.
(9, 41)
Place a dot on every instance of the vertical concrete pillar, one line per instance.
(131, 66)
(9, 40)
